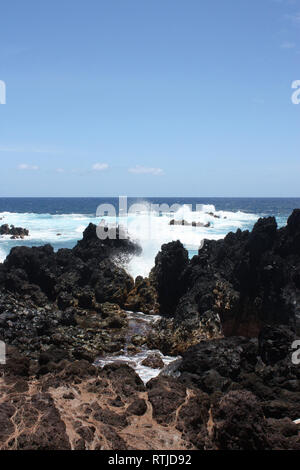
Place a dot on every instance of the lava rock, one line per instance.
(138, 407)
(154, 361)
(166, 275)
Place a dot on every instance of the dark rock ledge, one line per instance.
(237, 390)
(15, 232)
(234, 286)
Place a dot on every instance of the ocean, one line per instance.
(61, 221)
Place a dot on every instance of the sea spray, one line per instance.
(64, 230)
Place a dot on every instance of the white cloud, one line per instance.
(143, 170)
(100, 166)
(60, 170)
(288, 45)
(25, 166)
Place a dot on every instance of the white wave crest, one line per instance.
(149, 226)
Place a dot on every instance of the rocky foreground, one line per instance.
(232, 312)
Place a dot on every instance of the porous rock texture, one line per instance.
(233, 287)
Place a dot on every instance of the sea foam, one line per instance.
(149, 227)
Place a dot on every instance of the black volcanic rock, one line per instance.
(15, 232)
(228, 357)
(56, 298)
(248, 280)
(117, 244)
(262, 366)
(166, 275)
(275, 343)
(60, 276)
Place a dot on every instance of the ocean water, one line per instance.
(61, 221)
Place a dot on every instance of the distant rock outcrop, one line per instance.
(15, 232)
(189, 224)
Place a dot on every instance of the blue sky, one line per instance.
(150, 98)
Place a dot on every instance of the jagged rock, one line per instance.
(165, 395)
(225, 356)
(72, 276)
(69, 406)
(166, 275)
(225, 393)
(67, 292)
(91, 247)
(264, 367)
(15, 232)
(248, 280)
(275, 343)
(143, 297)
(238, 423)
(154, 361)
(138, 408)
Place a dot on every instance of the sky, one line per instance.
(150, 98)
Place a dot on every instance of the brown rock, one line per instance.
(154, 361)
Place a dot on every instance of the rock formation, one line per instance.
(15, 232)
(226, 398)
(71, 299)
(189, 224)
(247, 280)
(232, 312)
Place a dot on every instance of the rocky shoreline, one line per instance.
(231, 313)
(14, 232)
